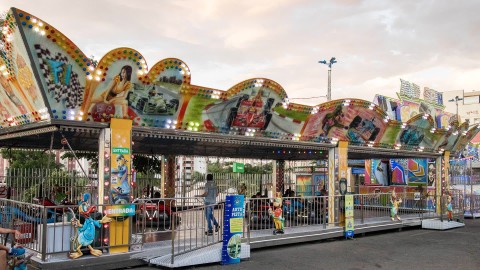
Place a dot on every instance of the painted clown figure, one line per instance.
(86, 232)
(449, 208)
(277, 214)
(395, 201)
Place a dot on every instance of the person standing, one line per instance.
(11, 251)
(210, 194)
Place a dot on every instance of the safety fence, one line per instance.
(472, 204)
(50, 230)
(368, 208)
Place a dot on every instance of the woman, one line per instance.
(117, 91)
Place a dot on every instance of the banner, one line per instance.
(349, 220)
(120, 210)
(232, 229)
(121, 160)
(120, 186)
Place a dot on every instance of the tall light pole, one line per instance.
(456, 100)
(330, 63)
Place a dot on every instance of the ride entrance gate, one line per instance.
(53, 94)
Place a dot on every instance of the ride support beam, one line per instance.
(446, 172)
(279, 176)
(332, 213)
(337, 170)
(438, 183)
(163, 166)
(170, 177)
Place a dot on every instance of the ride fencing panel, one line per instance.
(48, 187)
(190, 230)
(296, 211)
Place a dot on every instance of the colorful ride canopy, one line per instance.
(44, 75)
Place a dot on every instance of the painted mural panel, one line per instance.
(376, 172)
(391, 133)
(417, 172)
(466, 137)
(398, 168)
(451, 137)
(249, 105)
(61, 66)
(21, 101)
(417, 132)
(411, 171)
(109, 98)
(405, 108)
(388, 105)
(121, 90)
(161, 98)
(368, 172)
(353, 123)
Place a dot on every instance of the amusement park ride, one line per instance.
(120, 106)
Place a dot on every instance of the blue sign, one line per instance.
(358, 170)
(233, 228)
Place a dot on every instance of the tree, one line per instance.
(141, 163)
(218, 167)
(26, 159)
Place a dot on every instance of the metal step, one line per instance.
(206, 255)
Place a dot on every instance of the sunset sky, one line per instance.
(431, 43)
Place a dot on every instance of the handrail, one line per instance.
(182, 232)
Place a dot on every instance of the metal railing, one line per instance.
(377, 206)
(296, 211)
(368, 208)
(47, 230)
(28, 185)
(192, 232)
(472, 204)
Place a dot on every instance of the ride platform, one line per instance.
(437, 224)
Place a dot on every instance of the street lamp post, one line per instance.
(332, 61)
(456, 100)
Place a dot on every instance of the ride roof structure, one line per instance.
(49, 85)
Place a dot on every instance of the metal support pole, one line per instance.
(329, 94)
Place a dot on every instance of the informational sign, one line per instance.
(120, 210)
(232, 229)
(121, 160)
(358, 170)
(416, 196)
(120, 185)
(349, 220)
(238, 167)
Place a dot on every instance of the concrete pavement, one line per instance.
(407, 249)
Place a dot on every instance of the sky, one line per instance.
(431, 43)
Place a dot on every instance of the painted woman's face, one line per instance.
(123, 73)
